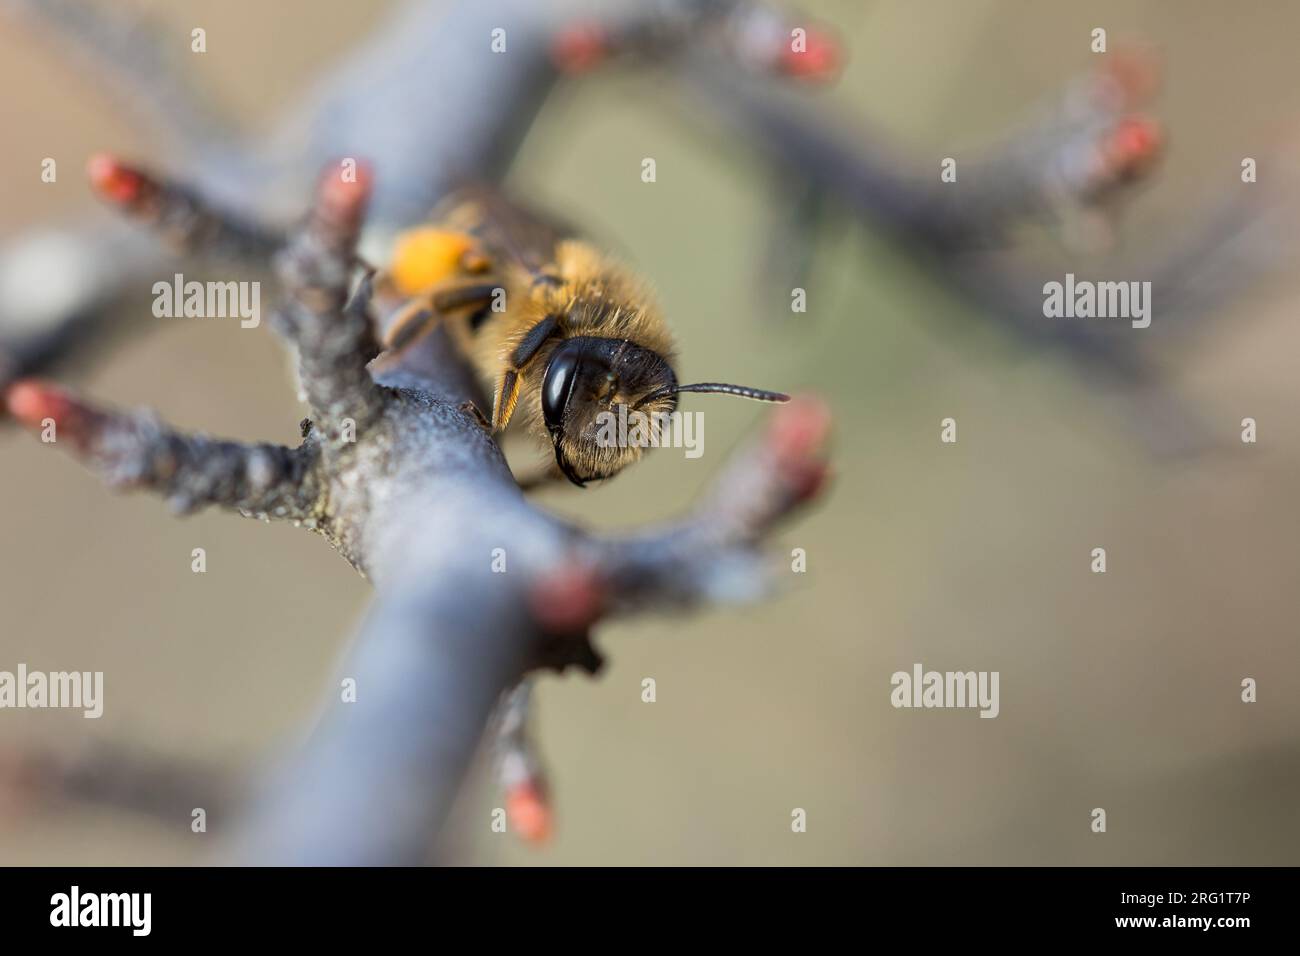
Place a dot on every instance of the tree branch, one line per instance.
(163, 788)
(709, 556)
(188, 223)
(135, 450)
(334, 342)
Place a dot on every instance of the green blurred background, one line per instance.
(1118, 691)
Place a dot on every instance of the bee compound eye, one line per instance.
(557, 386)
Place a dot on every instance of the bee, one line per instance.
(558, 332)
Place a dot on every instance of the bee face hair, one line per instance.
(587, 376)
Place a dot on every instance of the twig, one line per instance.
(164, 788)
(519, 768)
(135, 450)
(333, 342)
(178, 215)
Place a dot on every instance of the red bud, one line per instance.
(820, 60)
(115, 182)
(568, 600)
(580, 48)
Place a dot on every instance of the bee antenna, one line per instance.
(740, 391)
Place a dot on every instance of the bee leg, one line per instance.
(409, 324)
(469, 408)
(507, 393)
(419, 315)
(458, 297)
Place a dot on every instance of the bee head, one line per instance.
(591, 382)
(589, 378)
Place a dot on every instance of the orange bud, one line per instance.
(528, 812)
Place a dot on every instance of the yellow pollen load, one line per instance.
(424, 258)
